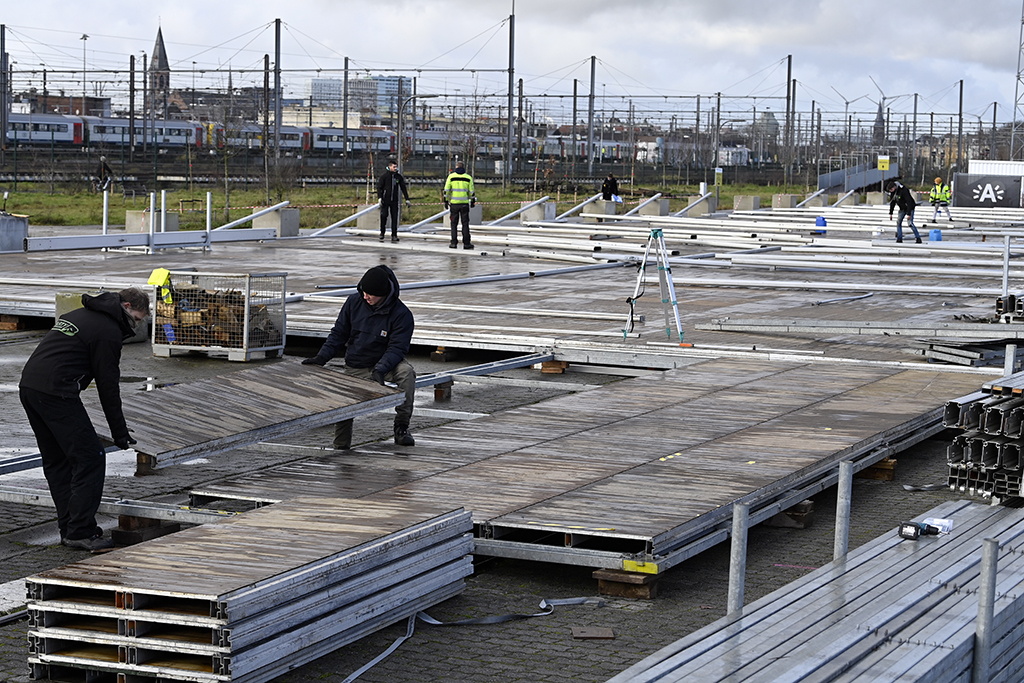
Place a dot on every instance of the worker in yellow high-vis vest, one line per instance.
(459, 196)
(939, 197)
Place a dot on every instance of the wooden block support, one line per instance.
(11, 323)
(443, 355)
(141, 530)
(800, 516)
(626, 584)
(553, 367)
(883, 470)
(443, 392)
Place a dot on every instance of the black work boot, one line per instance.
(402, 436)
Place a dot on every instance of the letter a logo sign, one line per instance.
(988, 193)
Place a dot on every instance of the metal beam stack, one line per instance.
(987, 458)
(894, 611)
(248, 599)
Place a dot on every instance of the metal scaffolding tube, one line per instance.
(636, 209)
(344, 221)
(254, 214)
(578, 207)
(520, 210)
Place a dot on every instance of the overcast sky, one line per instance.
(644, 48)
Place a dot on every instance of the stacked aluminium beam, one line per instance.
(893, 611)
(246, 600)
(987, 458)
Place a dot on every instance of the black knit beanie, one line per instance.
(375, 282)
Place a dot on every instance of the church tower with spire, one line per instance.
(160, 75)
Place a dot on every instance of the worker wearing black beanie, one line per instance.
(373, 332)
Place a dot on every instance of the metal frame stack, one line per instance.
(987, 458)
(248, 599)
(893, 610)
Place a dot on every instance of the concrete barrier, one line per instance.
(820, 200)
(138, 221)
(539, 212)
(784, 201)
(876, 198)
(743, 202)
(701, 207)
(605, 208)
(659, 207)
(852, 200)
(285, 221)
(368, 221)
(13, 232)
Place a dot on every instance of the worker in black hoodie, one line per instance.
(84, 345)
(390, 189)
(901, 196)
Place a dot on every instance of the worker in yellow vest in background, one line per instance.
(459, 195)
(939, 197)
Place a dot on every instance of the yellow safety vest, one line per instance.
(458, 188)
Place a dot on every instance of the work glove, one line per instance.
(408, 203)
(125, 443)
(314, 360)
(446, 206)
(378, 377)
(472, 202)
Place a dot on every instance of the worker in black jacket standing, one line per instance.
(901, 196)
(373, 332)
(390, 184)
(84, 345)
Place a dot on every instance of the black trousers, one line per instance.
(74, 463)
(385, 209)
(460, 211)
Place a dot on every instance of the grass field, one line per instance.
(321, 206)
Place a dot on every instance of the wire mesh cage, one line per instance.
(242, 315)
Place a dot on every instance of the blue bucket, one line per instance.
(820, 221)
(935, 236)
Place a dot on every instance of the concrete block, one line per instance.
(13, 232)
(659, 207)
(540, 212)
(65, 302)
(852, 200)
(876, 198)
(285, 221)
(138, 221)
(709, 205)
(784, 201)
(820, 200)
(368, 221)
(742, 202)
(605, 208)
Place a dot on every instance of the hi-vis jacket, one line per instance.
(940, 194)
(458, 189)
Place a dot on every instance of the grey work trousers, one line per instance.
(404, 375)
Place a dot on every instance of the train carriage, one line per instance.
(45, 129)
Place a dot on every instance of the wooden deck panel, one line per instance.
(209, 416)
(212, 560)
(641, 458)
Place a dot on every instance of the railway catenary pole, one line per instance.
(277, 90)
(131, 107)
(789, 116)
(3, 92)
(572, 135)
(146, 102)
(511, 85)
(519, 145)
(590, 117)
(960, 132)
(344, 121)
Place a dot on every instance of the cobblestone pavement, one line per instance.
(539, 649)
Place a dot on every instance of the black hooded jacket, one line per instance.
(389, 185)
(84, 345)
(368, 336)
(900, 195)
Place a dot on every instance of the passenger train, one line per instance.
(66, 130)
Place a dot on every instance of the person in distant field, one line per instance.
(373, 333)
(104, 176)
(939, 197)
(459, 197)
(84, 345)
(609, 187)
(900, 195)
(390, 187)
